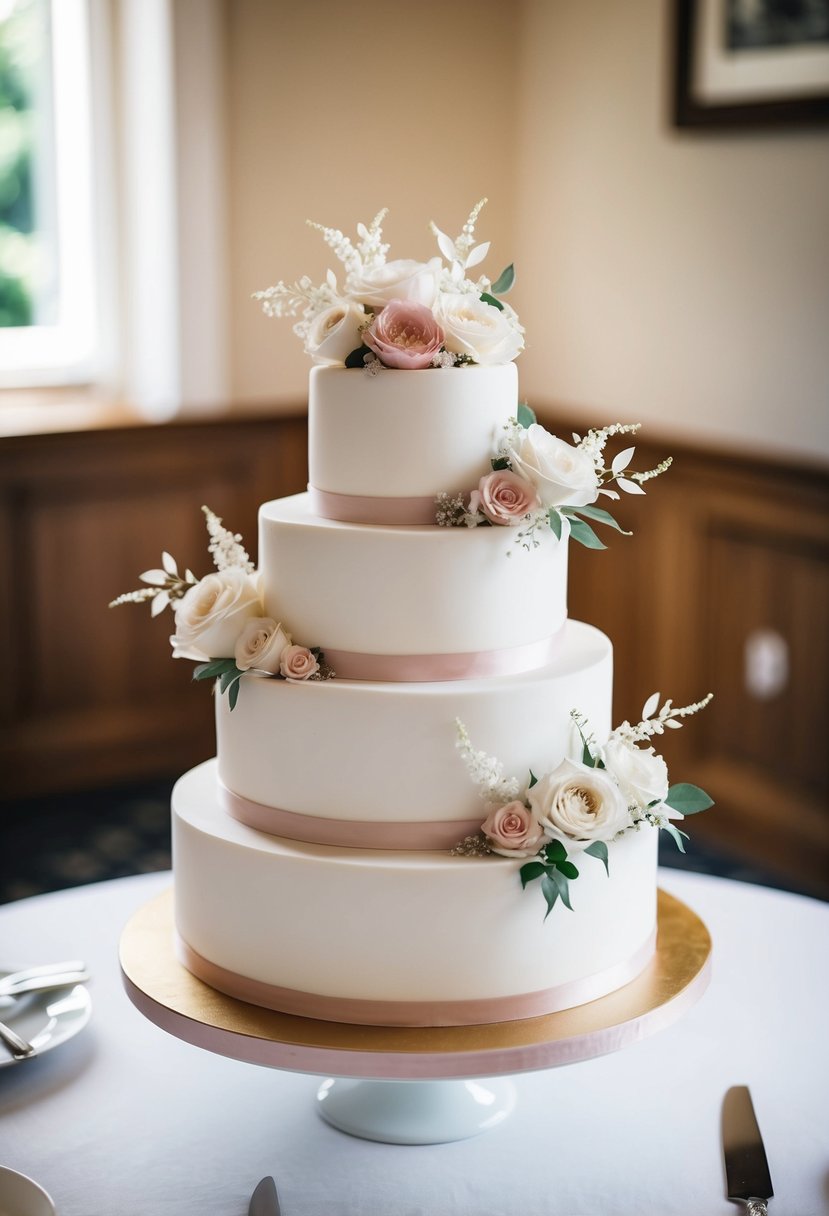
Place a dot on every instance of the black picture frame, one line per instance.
(691, 111)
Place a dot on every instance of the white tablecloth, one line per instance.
(125, 1120)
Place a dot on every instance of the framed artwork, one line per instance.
(751, 62)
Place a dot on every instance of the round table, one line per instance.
(124, 1118)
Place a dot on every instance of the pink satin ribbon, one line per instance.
(417, 1013)
(414, 512)
(430, 836)
(428, 668)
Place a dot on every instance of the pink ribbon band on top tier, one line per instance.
(430, 836)
(437, 668)
(412, 512)
(474, 1012)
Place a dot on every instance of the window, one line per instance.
(48, 288)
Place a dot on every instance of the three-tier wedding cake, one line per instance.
(360, 848)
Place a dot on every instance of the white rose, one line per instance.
(399, 280)
(562, 475)
(335, 333)
(483, 332)
(640, 772)
(577, 805)
(210, 617)
(260, 645)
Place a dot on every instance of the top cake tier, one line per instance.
(381, 447)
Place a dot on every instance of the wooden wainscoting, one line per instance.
(90, 693)
(723, 587)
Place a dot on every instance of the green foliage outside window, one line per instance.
(21, 47)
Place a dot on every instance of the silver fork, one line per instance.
(19, 1047)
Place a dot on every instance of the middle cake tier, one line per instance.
(461, 602)
(375, 765)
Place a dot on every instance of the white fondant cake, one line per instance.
(351, 854)
(413, 938)
(287, 891)
(408, 591)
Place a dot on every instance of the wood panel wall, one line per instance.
(725, 551)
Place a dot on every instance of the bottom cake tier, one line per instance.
(405, 939)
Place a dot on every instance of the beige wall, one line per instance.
(338, 109)
(677, 279)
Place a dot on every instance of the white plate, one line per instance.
(21, 1195)
(46, 1019)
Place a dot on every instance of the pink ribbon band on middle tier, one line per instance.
(433, 836)
(411, 512)
(428, 668)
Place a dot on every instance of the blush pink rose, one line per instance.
(298, 663)
(512, 831)
(405, 335)
(504, 497)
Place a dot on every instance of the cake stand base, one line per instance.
(415, 1112)
(413, 1085)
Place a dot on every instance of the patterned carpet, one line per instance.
(67, 841)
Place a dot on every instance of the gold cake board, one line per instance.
(172, 998)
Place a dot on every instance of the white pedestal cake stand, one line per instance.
(412, 1086)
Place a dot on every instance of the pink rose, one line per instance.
(298, 663)
(512, 831)
(405, 335)
(504, 497)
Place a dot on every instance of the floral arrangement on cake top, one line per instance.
(220, 621)
(538, 480)
(402, 314)
(581, 806)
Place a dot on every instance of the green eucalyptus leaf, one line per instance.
(488, 299)
(563, 885)
(531, 871)
(357, 357)
(587, 757)
(533, 780)
(504, 281)
(228, 676)
(500, 462)
(526, 417)
(216, 667)
(555, 851)
(599, 849)
(554, 520)
(688, 799)
(233, 692)
(550, 891)
(677, 836)
(585, 535)
(567, 869)
(600, 516)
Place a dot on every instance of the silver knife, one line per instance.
(264, 1201)
(746, 1169)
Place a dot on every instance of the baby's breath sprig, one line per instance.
(660, 468)
(461, 249)
(590, 748)
(655, 725)
(340, 245)
(594, 441)
(485, 771)
(371, 251)
(450, 511)
(165, 586)
(226, 547)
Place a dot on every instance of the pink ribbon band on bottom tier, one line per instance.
(438, 668)
(436, 836)
(473, 1012)
(411, 512)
